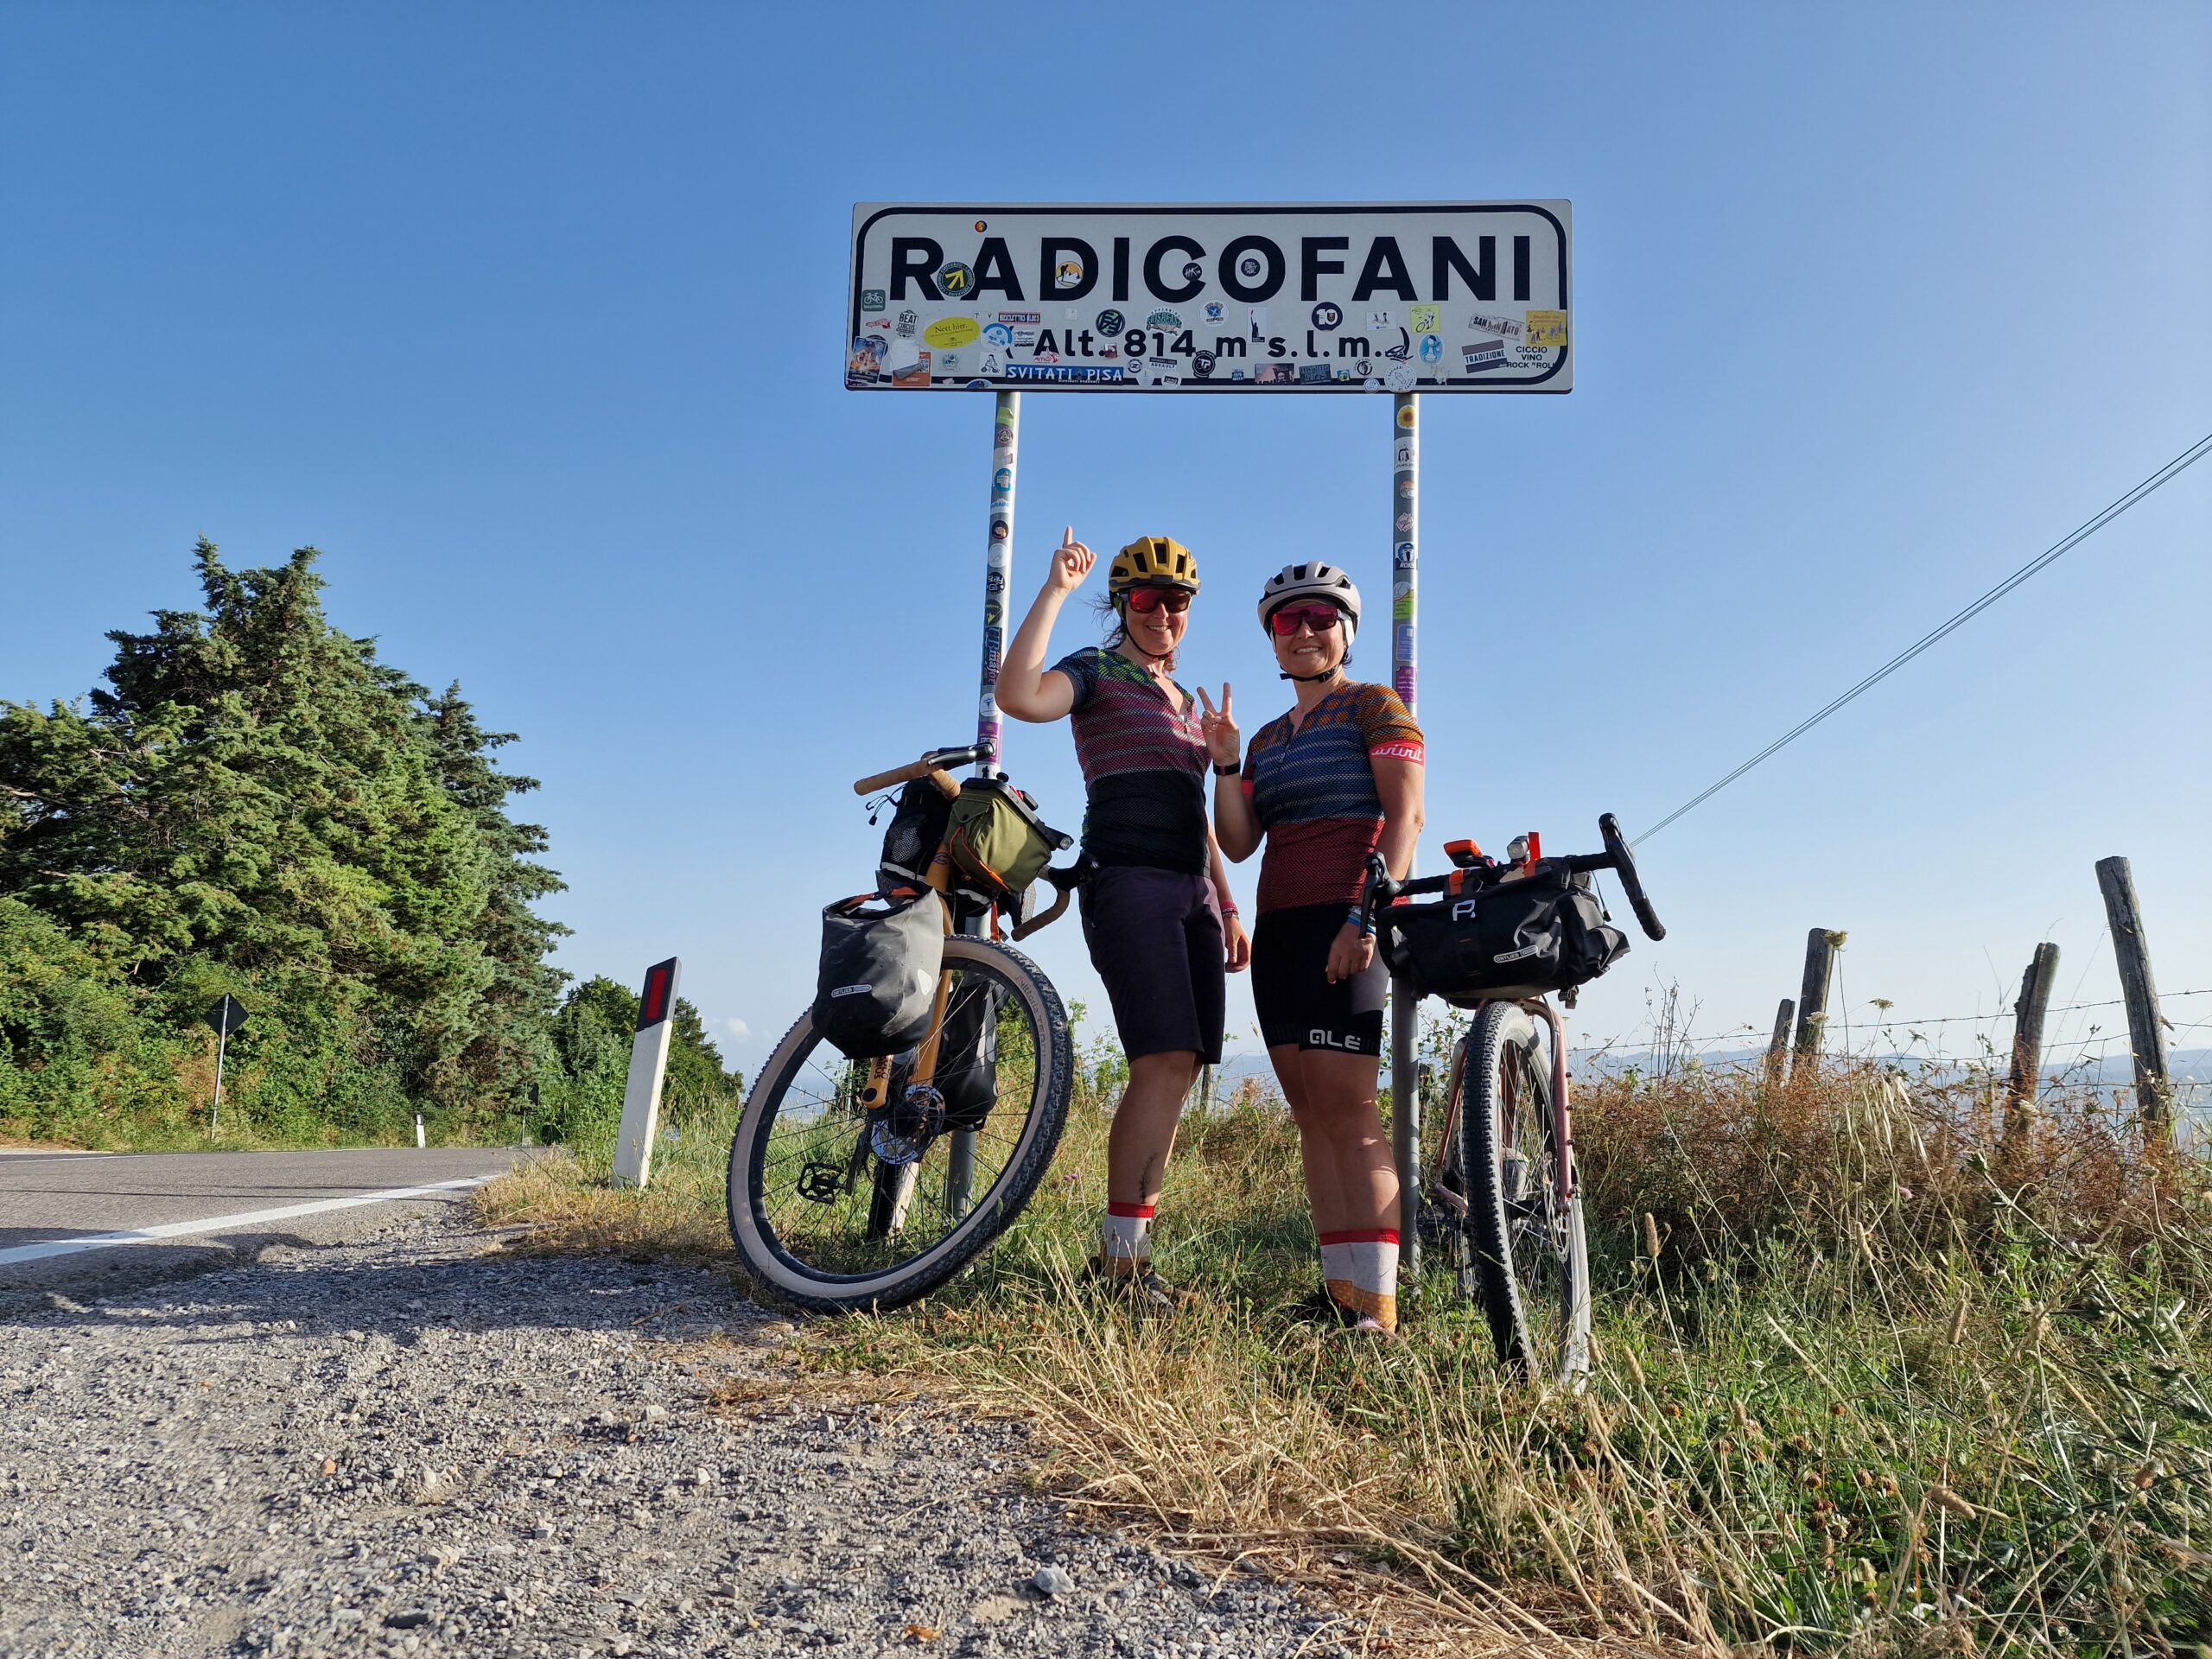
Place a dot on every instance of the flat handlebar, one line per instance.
(931, 765)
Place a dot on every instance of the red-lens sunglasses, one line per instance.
(1173, 600)
(1319, 618)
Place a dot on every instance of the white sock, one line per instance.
(1125, 1240)
(1361, 1270)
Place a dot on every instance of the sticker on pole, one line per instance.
(1456, 297)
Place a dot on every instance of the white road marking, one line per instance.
(215, 1224)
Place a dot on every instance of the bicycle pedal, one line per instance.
(820, 1183)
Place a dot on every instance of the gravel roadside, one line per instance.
(412, 1444)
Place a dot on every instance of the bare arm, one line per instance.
(1236, 943)
(1398, 785)
(1399, 782)
(1235, 825)
(1026, 689)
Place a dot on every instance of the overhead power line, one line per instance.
(2172, 469)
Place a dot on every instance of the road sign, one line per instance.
(633, 1141)
(1407, 297)
(225, 1017)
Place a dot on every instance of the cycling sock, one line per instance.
(1125, 1242)
(1361, 1270)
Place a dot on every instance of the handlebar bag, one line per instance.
(998, 839)
(918, 824)
(1545, 932)
(877, 982)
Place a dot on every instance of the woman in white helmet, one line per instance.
(1335, 778)
(1156, 909)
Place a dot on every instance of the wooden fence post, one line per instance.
(1777, 1050)
(2146, 1032)
(1812, 994)
(2027, 1038)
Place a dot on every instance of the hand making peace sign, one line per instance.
(1224, 741)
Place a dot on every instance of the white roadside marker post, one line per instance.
(633, 1146)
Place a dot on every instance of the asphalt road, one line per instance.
(74, 1222)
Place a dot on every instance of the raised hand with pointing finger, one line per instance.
(1071, 562)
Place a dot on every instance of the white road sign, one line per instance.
(1436, 297)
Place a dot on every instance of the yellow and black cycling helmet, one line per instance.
(1153, 561)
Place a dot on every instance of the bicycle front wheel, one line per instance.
(1531, 1262)
(823, 1222)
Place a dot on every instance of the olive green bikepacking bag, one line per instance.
(998, 839)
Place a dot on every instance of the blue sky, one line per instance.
(530, 317)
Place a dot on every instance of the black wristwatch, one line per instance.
(1233, 769)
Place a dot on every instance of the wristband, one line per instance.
(1358, 919)
(1234, 769)
(1228, 911)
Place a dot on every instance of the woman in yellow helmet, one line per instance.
(1157, 913)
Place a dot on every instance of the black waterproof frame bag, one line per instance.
(918, 824)
(1544, 933)
(881, 958)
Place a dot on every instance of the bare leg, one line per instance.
(1351, 1179)
(1144, 1125)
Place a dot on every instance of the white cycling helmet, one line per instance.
(1312, 581)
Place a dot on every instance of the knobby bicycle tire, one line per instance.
(1541, 1329)
(990, 1212)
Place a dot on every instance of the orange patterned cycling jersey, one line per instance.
(1314, 790)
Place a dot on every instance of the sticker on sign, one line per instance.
(1186, 291)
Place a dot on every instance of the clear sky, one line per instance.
(530, 317)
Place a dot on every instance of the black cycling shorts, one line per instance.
(1298, 1007)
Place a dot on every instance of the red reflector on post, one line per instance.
(652, 1007)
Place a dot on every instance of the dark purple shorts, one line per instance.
(1155, 939)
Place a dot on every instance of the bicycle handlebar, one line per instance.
(931, 765)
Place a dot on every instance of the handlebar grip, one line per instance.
(946, 784)
(905, 775)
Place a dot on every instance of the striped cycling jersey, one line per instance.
(1144, 764)
(1314, 790)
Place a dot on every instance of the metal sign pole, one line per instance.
(998, 565)
(1404, 1007)
(222, 1046)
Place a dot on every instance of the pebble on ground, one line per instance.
(410, 1445)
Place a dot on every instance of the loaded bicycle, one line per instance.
(905, 1118)
(1501, 1201)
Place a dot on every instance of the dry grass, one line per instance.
(566, 1202)
(1889, 1387)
